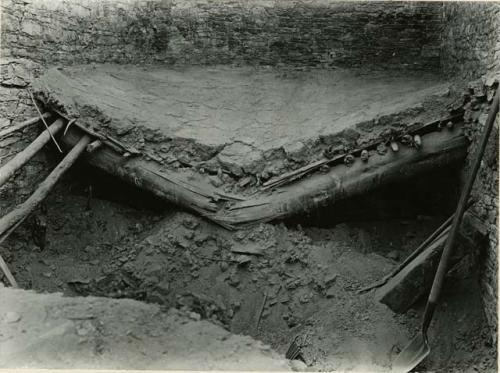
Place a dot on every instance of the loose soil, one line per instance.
(274, 283)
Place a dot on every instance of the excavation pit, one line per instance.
(246, 170)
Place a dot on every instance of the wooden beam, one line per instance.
(21, 158)
(439, 149)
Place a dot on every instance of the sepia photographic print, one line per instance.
(259, 185)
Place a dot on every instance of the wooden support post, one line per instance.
(20, 126)
(28, 206)
(24, 156)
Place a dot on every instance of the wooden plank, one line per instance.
(415, 279)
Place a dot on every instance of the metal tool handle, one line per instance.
(462, 205)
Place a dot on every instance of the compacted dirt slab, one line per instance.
(53, 331)
(237, 117)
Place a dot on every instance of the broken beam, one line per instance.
(167, 185)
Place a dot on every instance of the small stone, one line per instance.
(349, 159)
(365, 155)
(417, 140)
(381, 149)
(394, 146)
(12, 317)
(194, 316)
(190, 223)
(449, 124)
(234, 280)
(330, 293)
(330, 278)
(223, 266)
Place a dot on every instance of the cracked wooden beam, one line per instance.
(439, 149)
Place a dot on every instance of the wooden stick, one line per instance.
(24, 156)
(20, 126)
(261, 311)
(44, 122)
(8, 273)
(28, 206)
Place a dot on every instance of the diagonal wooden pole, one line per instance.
(20, 159)
(28, 206)
(20, 126)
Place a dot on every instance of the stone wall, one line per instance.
(264, 32)
(471, 54)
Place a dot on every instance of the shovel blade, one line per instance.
(416, 351)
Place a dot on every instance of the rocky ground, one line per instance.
(275, 283)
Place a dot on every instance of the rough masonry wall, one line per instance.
(471, 52)
(269, 32)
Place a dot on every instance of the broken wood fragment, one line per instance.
(93, 146)
(5, 269)
(415, 279)
(442, 229)
(10, 220)
(20, 126)
(259, 316)
(7, 170)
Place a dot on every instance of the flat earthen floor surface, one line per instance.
(242, 112)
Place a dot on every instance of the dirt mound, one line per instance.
(52, 331)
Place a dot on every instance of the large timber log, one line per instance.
(438, 149)
(174, 187)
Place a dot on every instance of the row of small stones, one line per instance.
(414, 141)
